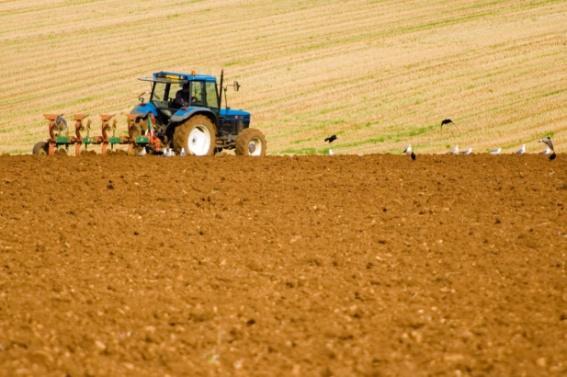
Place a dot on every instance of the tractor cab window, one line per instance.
(211, 92)
(174, 89)
(177, 96)
(197, 91)
(159, 93)
(163, 94)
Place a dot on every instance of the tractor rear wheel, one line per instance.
(251, 142)
(40, 149)
(197, 136)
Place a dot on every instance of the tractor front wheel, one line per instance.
(40, 149)
(197, 137)
(251, 142)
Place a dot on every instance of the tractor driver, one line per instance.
(182, 96)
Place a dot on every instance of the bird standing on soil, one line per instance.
(522, 150)
(330, 140)
(496, 151)
(468, 151)
(549, 150)
(455, 150)
(409, 151)
(547, 141)
(168, 152)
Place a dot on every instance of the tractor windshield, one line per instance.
(163, 93)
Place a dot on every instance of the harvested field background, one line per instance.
(378, 73)
(310, 266)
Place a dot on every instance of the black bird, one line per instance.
(446, 122)
(331, 138)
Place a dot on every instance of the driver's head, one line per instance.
(185, 86)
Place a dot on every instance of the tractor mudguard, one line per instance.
(183, 114)
(145, 109)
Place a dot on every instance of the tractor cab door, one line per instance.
(161, 98)
(204, 94)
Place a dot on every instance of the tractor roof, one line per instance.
(180, 76)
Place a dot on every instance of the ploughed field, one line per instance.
(309, 266)
(376, 73)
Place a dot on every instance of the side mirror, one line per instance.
(141, 97)
(236, 86)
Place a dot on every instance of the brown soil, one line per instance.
(375, 265)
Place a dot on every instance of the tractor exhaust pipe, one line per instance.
(219, 92)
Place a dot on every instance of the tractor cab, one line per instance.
(173, 93)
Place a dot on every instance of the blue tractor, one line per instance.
(188, 117)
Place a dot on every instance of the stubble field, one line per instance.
(307, 266)
(378, 73)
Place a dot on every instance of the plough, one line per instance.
(141, 135)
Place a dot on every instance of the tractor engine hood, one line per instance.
(234, 113)
(236, 116)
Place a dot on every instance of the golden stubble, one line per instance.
(379, 74)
